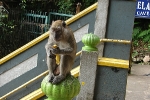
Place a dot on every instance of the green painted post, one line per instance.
(65, 90)
(90, 41)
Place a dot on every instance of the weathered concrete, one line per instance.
(101, 21)
(138, 83)
(88, 68)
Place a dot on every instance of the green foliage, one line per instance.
(23, 4)
(140, 38)
(7, 26)
(70, 5)
(141, 31)
(65, 5)
(87, 3)
(62, 5)
(149, 46)
(7, 37)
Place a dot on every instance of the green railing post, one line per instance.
(88, 67)
(90, 41)
(65, 90)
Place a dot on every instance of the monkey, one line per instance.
(62, 36)
(78, 8)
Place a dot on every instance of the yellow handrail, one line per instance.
(109, 62)
(29, 82)
(23, 48)
(116, 41)
(112, 62)
(23, 86)
(38, 93)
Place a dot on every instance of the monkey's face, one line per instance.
(57, 30)
(57, 33)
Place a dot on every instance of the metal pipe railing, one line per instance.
(23, 86)
(115, 41)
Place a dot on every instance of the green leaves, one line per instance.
(23, 4)
(141, 30)
(65, 5)
(136, 32)
(141, 36)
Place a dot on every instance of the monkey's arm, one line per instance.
(49, 48)
(62, 51)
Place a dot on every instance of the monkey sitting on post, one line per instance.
(61, 36)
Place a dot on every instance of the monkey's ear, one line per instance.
(80, 4)
(63, 24)
(53, 21)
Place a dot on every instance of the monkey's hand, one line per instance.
(49, 51)
(53, 56)
(56, 50)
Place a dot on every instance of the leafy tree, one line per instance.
(141, 37)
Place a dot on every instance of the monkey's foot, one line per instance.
(58, 79)
(51, 77)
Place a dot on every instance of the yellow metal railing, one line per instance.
(38, 93)
(115, 41)
(23, 86)
(23, 48)
(111, 62)
(32, 80)
(108, 62)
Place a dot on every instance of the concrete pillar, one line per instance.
(87, 76)
(88, 67)
(101, 22)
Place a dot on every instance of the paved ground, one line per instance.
(138, 83)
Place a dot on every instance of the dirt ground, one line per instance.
(138, 83)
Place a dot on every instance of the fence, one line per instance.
(20, 28)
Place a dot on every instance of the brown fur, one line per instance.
(62, 36)
(78, 8)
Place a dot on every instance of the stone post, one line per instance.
(101, 22)
(88, 66)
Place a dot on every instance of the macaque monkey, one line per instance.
(61, 41)
(78, 8)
